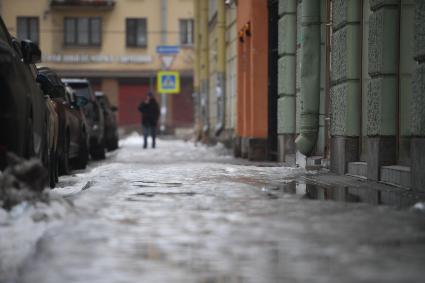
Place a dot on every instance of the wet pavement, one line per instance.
(186, 213)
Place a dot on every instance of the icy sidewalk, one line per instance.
(187, 213)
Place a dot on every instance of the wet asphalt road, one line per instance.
(182, 213)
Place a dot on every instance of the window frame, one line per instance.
(28, 28)
(185, 34)
(75, 41)
(129, 44)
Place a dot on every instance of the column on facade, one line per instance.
(321, 136)
(221, 68)
(286, 79)
(204, 87)
(298, 69)
(383, 86)
(418, 102)
(345, 83)
(197, 68)
(259, 71)
(253, 79)
(231, 72)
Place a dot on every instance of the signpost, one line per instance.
(168, 82)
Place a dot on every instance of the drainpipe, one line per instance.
(205, 65)
(221, 67)
(310, 77)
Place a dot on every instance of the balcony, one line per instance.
(98, 4)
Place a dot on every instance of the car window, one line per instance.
(69, 97)
(81, 89)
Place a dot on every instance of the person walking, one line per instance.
(150, 115)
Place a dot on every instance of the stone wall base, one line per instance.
(237, 147)
(255, 149)
(343, 151)
(381, 152)
(286, 148)
(417, 150)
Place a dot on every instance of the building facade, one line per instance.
(114, 44)
(215, 71)
(333, 83)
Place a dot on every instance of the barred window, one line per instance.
(83, 31)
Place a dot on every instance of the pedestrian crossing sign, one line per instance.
(168, 82)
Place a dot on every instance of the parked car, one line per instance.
(93, 113)
(75, 108)
(52, 141)
(72, 143)
(111, 131)
(23, 109)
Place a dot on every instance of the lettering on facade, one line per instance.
(85, 58)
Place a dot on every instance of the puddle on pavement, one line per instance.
(313, 191)
(142, 195)
(152, 194)
(150, 184)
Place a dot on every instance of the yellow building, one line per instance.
(216, 69)
(114, 45)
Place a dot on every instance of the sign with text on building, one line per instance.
(168, 82)
(167, 49)
(85, 58)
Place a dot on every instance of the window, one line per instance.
(82, 31)
(28, 29)
(136, 33)
(186, 32)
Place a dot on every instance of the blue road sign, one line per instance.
(168, 82)
(167, 49)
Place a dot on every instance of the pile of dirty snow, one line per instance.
(27, 210)
(23, 180)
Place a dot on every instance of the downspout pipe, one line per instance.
(310, 77)
(221, 67)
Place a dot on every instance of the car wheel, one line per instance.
(56, 166)
(113, 144)
(64, 160)
(52, 170)
(30, 140)
(98, 152)
(83, 155)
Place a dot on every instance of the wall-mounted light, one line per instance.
(247, 29)
(241, 36)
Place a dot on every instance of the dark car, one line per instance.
(79, 160)
(94, 115)
(72, 142)
(111, 131)
(52, 140)
(22, 106)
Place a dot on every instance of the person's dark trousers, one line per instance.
(146, 132)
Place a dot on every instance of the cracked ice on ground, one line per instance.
(187, 213)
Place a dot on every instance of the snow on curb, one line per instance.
(20, 230)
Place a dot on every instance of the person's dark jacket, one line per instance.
(150, 113)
